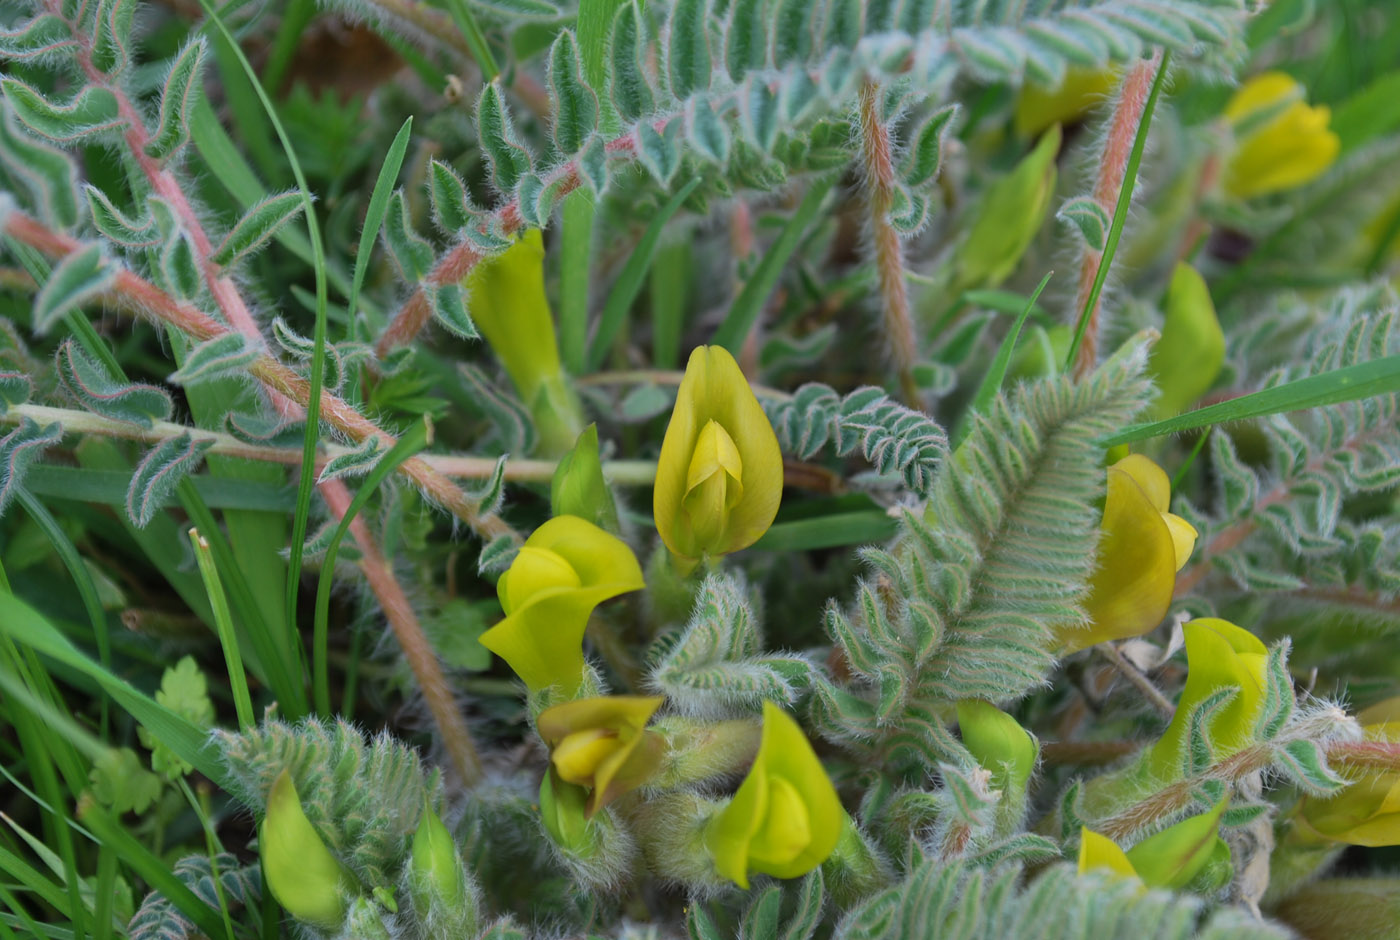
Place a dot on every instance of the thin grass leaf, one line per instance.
(996, 372)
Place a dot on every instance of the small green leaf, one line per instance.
(181, 89)
(707, 132)
(47, 172)
(217, 357)
(159, 472)
(113, 223)
(688, 48)
(578, 487)
(631, 92)
(15, 389)
(412, 254)
(761, 919)
(78, 278)
(509, 418)
(184, 690)
(759, 109)
(89, 382)
(660, 153)
(256, 227)
(112, 34)
(121, 783)
(358, 461)
(746, 46)
(18, 451)
(507, 157)
(1088, 218)
(44, 36)
(575, 105)
(89, 116)
(452, 204)
(925, 154)
(496, 555)
(1304, 763)
(448, 302)
(180, 272)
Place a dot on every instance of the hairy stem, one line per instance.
(878, 164)
(1139, 681)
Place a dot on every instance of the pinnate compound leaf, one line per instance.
(78, 278)
(219, 356)
(96, 390)
(257, 227)
(181, 91)
(159, 472)
(18, 451)
(575, 104)
(90, 115)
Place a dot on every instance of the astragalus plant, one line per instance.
(710, 468)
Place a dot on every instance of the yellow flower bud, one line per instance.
(1000, 744)
(785, 819)
(1280, 142)
(1080, 92)
(1219, 655)
(1368, 811)
(602, 744)
(720, 475)
(1188, 357)
(506, 297)
(302, 874)
(1170, 859)
(1008, 218)
(565, 569)
(1141, 548)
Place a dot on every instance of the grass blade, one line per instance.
(1350, 383)
(223, 620)
(996, 372)
(374, 215)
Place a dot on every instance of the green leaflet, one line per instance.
(257, 227)
(77, 279)
(18, 451)
(182, 88)
(90, 115)
(89, 382)
(575, 104)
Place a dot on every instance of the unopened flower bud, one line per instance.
(305, 878)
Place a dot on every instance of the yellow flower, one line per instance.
(785, 819)
(1172, 858)
(1219, 655)
(1081, 91)
(565, 569)
(720, 474)
(998, 743)
(602, 743)
(1280, 141)
(1188, 357)
(1141, 548)
(506, 298)
(305, 878)
(1368, 811)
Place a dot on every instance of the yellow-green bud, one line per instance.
(1188, 357)
(1008, 218)
(563, 810)
(302, 874)
(1000, 745)
(437, 871)
(578, 487)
